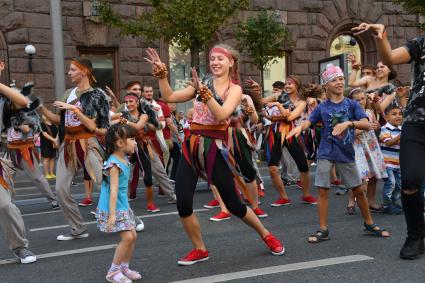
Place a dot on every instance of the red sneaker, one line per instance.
(281, 201)
(221, 216)
(152, 208)
(337, 182)
(212, 204)
(274, 245)
(260, 213)
(309, 199)
(261, 192)
(193, 257)
(86, 202)
(298, 185)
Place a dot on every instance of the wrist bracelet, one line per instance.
(160, 72)
(353, 125)
(205, 94)
(75, 110)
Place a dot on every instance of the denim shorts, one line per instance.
(347, 171)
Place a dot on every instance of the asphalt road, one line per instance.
(237, 254)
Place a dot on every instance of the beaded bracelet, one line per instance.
(160, 72)
(205, 93)
(249, 109)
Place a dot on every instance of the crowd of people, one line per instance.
(353, 136)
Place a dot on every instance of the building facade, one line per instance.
(318, 28)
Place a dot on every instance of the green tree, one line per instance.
(188, 23)
(414, 7)
(265, 38)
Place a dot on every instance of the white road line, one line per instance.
(40, 213)
(277, 269)
(94, 222)
(69, 252)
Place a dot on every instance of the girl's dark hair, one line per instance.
(314, 90)
(114, 133)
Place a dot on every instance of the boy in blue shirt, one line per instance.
(340, 116)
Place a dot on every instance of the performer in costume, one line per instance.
(206, 151)
(412, 147)
(287, 108)
(21, 124)
(11, 221)
(84, 112)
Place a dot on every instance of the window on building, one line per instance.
(180, 70)
(105, 66)
(274, 72)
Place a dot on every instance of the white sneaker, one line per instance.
(25, 255)
(69, 237)
(140, 226)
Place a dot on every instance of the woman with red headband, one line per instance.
(285, 109)
(206, 151)
(84, 112)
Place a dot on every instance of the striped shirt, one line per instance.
(390, 153)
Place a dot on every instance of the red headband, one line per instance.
(132, 95)
(88, 70)
(292, 81)
(221, 51)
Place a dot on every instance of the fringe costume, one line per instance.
(80, 149)
(277, 133)
(11, 222)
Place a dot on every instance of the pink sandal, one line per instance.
(131, 274)
(117, 277)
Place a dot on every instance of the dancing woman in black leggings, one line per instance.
(203, 151)
(286, 108)
(412, 142)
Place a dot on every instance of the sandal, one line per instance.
(117, 277)
(131, 274)
(320, 236)
(351, 210)
(374, 230)
(375, 209)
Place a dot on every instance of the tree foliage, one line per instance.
(190, 24)
(265, 38)
(414, 7)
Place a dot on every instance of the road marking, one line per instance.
(69, 252)
(94, 222)
(40, 213)
(277, 269)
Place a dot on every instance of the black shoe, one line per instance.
(25, 255)
(55, 205)
(412, 248)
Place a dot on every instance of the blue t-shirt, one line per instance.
(337, 148)
(105, 191)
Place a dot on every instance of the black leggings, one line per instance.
(144, 164)
(244, 159)
(294, 148)
(412, 157)
(222, 178)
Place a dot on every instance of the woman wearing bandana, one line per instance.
(84, 112)
(286, 109)
(206, 150)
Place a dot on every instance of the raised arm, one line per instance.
(14, 95)
(222, 112)
(250, 109)
(160, 71)
(389, 57)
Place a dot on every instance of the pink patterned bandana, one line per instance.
(331, 72)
